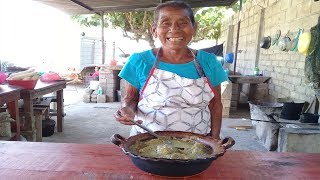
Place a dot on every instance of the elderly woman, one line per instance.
(173, 87)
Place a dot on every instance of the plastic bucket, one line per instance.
(94, 85)
(48, 126)
(291, 110)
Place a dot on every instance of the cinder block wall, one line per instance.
(110, 83)
(262, 18)
(91, 51)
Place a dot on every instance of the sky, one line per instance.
(32, 33)
(35, 34)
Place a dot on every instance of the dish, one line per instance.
(180, 148)
(173, 167)
(26, 84)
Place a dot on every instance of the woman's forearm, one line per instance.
(215, 107)
(129, 104)
(131, 97)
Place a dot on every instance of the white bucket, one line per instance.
(94, 85)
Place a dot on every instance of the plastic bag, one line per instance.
(3, 77)
(49, 77)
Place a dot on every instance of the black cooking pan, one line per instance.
(173, 167)
(265, 42)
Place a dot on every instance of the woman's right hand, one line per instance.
(129, 105)
(124, 115)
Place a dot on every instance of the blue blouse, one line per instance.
(139, 65)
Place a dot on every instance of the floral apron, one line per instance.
(169, 102)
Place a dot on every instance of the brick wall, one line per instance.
(109, 82)
(262, 18)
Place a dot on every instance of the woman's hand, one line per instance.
(124, 115)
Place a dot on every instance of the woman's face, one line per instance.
(174, 28)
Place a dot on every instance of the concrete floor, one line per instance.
(93, 123)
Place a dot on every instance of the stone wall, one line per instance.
(261, 18)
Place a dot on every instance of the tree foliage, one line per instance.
(209, 22)
(136, 25)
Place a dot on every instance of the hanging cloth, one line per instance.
(312, 63)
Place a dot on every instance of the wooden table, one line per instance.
(43, 88)
(10, 95)
(33, 160)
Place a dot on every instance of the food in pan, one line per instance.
(176, 148)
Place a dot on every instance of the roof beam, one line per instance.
(85, 6)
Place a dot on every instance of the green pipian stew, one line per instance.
(178, 148)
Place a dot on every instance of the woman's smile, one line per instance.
(175, 39)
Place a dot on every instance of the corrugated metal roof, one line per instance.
(97, 6)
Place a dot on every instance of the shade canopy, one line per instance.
(74, 7)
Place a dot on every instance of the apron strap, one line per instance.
(195, 61)
(155, 65)
(157, 61)
(197, 64)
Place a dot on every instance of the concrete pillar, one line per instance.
(259, 36)
(235, 97)
(226, 94)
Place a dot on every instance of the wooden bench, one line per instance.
(45, 102)
(33, 129)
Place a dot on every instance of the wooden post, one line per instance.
(60, 111)
(102, 38)
(237, 41)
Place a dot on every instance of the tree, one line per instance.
(209, 22)
(136, 25)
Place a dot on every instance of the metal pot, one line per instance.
(265, 42)
(291, 110)
(285, 43)
(173, 167)
(309, 118)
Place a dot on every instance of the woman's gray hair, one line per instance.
(175, 4)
